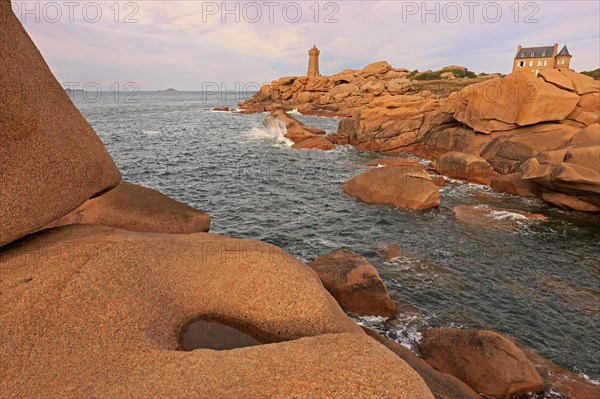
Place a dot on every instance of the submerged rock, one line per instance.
(577, 296)
(136, 208)
(486, 361)
(400, 187)
(51, 161)
(569, 384)
(390, 252)
(489, 217)
(354, 283)
(96, 311)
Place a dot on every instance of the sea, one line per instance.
(537, 282)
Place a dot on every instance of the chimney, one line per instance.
(555, 51)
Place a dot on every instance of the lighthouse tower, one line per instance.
(313, 62)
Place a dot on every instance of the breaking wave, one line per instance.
(275, 131)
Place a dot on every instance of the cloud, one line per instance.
(183, 44)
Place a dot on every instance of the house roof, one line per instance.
(526, 52)
(564, 52)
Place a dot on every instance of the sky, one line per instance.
(195, 45)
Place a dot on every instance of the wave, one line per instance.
(275, 130)
(294, 112)
(150, 132)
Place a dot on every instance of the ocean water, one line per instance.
(538, 283)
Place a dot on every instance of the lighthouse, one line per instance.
(313, 62)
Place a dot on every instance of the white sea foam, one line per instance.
(275, 131)
(150, 132)
(588, 379)
(294, 112)
(368, 320)
(506, 215)
(404, 331)
(259, 134)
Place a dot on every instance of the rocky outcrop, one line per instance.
(51, 161)
(389, 123)
(569, 176)
(354, 283)
(514, 184)
(464, 166)
(96, 311)
(528, 144)
(400, 187)
(513, 124)
(442, 385)
(136, 208)
(303, 137)
(341, 94)
(520, 99)
(329, 95)
(314, 143)
(486, 361)
(504, 121)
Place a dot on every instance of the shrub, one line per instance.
(594, 74)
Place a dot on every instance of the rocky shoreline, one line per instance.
(520, 134)
(99, 277)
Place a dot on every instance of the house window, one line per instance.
(542, 63)
(521, 64)
(536, 72)
(543, 53)
(522, 55)
(560, 62)
(533, 54)
(530, 63)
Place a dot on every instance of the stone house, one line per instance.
(534, 59)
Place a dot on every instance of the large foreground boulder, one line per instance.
(354, 283)
(400, 187)
(93, 311)
(132, 207)
(51, 161)
(486, 361)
